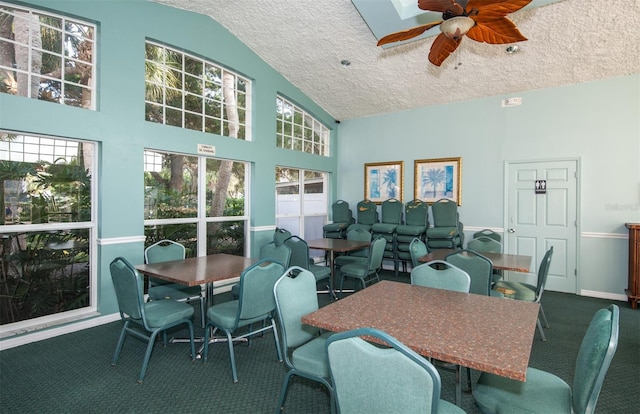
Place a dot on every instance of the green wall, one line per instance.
(597, 123)
(119, 128)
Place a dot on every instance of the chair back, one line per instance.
(392, 211)
(372, 379)
(478, 267)
(449, 277)
(488, 233)
(280, 253)
(417, 249)
(543, 272)
(164, 251)
(416, 213)
(594, 357)
(295, 296)
(128, 284)
(341, 213)
(485, 244)
(256, 287)
(299, 252)
(359, 234)
(376, 253)
(280, 236)
(367, 212)
(445, 213)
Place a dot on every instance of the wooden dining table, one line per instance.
(501, 261)
(213, 271)
(485, 333)
(332, 246)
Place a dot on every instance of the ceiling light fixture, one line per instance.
(456, 27)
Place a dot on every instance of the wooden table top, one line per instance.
(337, 245)
(501, 261)
(199, 270)
(481, 332)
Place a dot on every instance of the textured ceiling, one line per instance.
(572, 41)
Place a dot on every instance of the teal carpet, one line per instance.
(73, 373)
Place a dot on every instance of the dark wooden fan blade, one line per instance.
(441, 48)
(499, 31)
(441, 6)
(494, 9)
(406, 34)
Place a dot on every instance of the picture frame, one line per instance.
(438, 178)
(383, 180)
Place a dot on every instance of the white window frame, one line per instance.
(315, 136)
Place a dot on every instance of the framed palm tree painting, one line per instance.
(383, 180)
(438, 178)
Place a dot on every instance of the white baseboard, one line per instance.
(13, 341)
(604, 295)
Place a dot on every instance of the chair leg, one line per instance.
(277, 341)
(192, 341)
(544, 338)
(283, 392)
(232, 356)
(147, 356)
(123, 335)
(544, 318)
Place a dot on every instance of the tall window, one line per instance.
(301, 201)
(46, 188)
(47, 57)
(299, 131)
(197, 201)
(189, 92)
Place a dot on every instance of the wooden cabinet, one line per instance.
(633, 291)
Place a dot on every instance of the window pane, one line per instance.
(44, 272)
(225, 188)
(183, 233)
(171, 189)
(207, 88)
(226, 237)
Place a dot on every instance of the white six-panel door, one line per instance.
(536, 221)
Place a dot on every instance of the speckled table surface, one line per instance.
(480, 332)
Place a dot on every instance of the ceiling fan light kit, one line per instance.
(480, 20)
(456, 27)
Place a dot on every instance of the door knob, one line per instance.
(512, 230)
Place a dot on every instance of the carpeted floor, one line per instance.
(73, 373)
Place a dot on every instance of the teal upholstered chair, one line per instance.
(488, 233)
(416, 215)
(391, 218)
(479, 268)
(304, 345)
(486, 244)
(164, 251)
(355, 256)
(342, 217)
(375, 379)
(276, 250)
(417, 249)
(366, 215)
(532, 293)
(365, 272)
(544, 392)
(300, 258)
(443, 275)
(447, 229)
(145, 320)
(255, 304)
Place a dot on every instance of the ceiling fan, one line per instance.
(481, 20)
